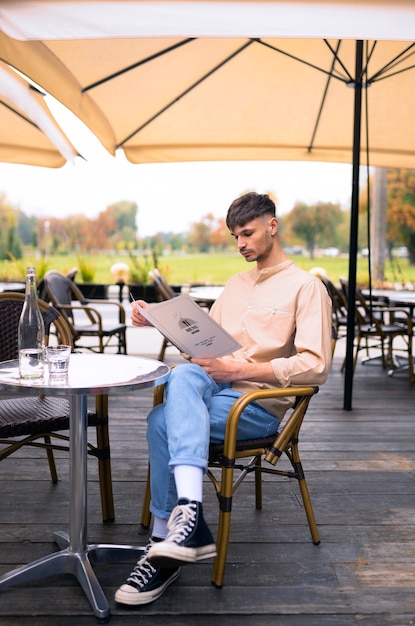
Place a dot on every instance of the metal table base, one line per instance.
(76, 556)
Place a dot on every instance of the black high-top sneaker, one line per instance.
(146, 582)
(189, 538)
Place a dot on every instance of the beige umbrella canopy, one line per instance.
(187, 99)
(244, 80)
(29, 134)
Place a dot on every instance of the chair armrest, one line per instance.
(94, 315)
(391, 310)
(252, 396)
(158, 394)
(303, 394)
(87, 302)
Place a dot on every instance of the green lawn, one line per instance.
(200, 268)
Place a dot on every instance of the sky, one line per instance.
(169, 196)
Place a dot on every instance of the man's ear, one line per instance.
(274, 226)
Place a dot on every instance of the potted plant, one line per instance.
(91, 290)
(140, 285)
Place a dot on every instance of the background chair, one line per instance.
(228, 458)
(36, 420)
(163, 289)
(82, 317)
(378, 326)
(339, 307)
(164, 292)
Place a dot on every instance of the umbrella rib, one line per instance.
(338, 59)
(102, 81)
(399, 58)
(16, 112)
(304, 62)
(329, 77)
(186, 91)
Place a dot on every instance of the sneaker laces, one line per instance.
(181, 522)
(143, 571)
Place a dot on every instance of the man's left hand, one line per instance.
(221, 370)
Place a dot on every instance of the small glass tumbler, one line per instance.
(57, 359)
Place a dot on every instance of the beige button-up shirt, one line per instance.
(281, 315)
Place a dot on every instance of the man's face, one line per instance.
(255, 238)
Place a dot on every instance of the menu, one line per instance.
(187, 326)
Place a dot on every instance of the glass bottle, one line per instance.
(31, 332)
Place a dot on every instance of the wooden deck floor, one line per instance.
(360, 467)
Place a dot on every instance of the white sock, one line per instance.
(159, 528)
(189, 482)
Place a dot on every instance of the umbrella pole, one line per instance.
(354, 221)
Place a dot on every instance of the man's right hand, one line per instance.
(136, 318)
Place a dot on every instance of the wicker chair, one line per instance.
(34, 421)
(388, 330)
(228, 457)
(81, 314)
(164, 292)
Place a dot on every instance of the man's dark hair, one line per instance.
(247, 208)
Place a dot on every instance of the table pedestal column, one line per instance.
(76, 556)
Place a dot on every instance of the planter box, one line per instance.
(148, 292)
(143, 292)
(97, 291)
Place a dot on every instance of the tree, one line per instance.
(26, 227)
(123, 217)
(10, 243)
(220, 237)
(401, 210)
(200, 232)
(315, 224)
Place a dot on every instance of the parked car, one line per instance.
(294, 250)
(331, 252)
(401, 252)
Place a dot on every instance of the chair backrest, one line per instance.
(11, 305)
(61, 291)
(339, 303)
(57, 288)
(165, 292)
(364, 313)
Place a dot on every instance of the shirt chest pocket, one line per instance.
(269, 324)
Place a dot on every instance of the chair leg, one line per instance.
(122, 344)
(145, 511)
(163, 349)
(258, 484)
(104, 460)
(222, 541)
(224, 526)
(411, 367)
(51, 459)
(305, 495)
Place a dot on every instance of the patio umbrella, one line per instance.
(29, 134)
(243, 80)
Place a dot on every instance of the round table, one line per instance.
(205, 295)
(89, 374)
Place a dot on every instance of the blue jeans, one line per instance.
(179, 431)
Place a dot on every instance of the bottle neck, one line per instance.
(31, 284)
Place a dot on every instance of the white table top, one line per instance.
(208, 292)
(89, 374)
(12, 286)
(406, 297)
